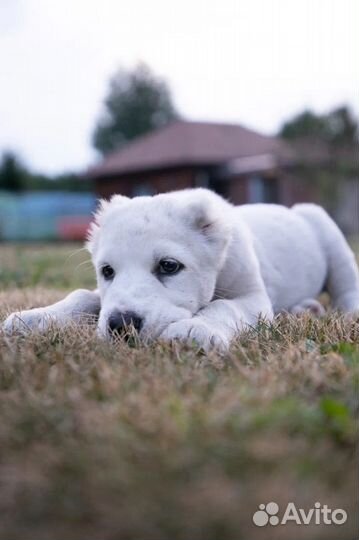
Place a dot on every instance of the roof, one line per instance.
(184, 143)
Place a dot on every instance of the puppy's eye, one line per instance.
(108, 272)
(169, 266)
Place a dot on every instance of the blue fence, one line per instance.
(45, 215)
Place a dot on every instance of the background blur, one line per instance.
(256, 100)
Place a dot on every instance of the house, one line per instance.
(242, 165)
(236, 162)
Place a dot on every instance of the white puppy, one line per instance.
(188, 265)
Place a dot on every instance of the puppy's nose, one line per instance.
(121, 321)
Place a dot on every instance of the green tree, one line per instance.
(337, 132)
(342, 127)
(61, 182)
(303, 125)
(137, 102)
(339, 126)
(13, 176)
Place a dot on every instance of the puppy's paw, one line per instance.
(37, 319)
(310, 305)
(198, 331)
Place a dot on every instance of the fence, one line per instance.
(45, 215)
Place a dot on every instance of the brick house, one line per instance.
(240, 164)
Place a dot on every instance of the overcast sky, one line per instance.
(255, 62)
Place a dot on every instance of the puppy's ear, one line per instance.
(210, 220)
(102, 208)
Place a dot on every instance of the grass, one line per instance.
(101, 441)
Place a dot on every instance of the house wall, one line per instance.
(238, 190)
(255, 188)
(146, 183)
(295, 189)
(290, 186)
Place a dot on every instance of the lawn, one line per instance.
(106, 441)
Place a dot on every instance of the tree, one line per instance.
(137, 102)
(13, 176)
(338, 127)
(337, 133)
(303, 125)
(342, 127)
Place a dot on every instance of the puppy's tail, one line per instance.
(342, 274)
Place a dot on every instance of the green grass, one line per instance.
(101, 441)
(63, 266)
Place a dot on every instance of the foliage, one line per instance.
(335, 136)
(61, 182)
(137, 102)
(13, 175)
(103, 440)
(339, 126)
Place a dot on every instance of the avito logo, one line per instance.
(268, 514)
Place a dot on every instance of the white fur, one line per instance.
(240, 264)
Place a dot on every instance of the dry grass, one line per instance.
(115, 442)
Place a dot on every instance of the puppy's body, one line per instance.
(301, 252)
(235, 264)
(290, 252)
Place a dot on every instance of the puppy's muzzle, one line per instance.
(121, 323)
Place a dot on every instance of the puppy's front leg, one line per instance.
(218, 323)
(77, 306)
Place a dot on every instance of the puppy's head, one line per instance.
(157, 258)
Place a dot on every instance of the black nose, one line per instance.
(121, 322)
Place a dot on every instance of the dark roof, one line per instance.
(189, 144)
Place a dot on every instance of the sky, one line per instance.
(253, 62)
